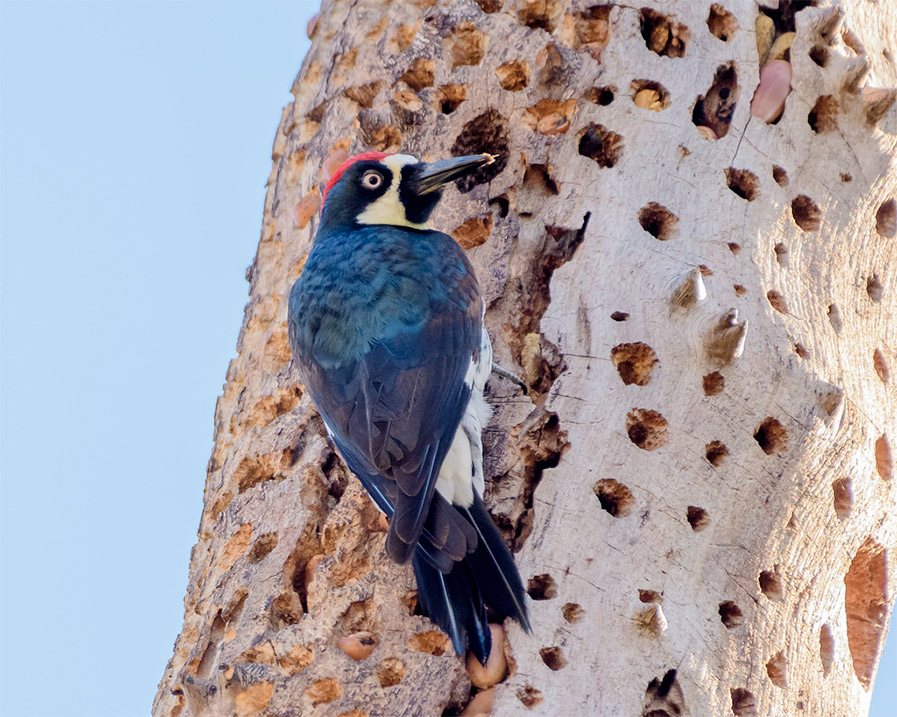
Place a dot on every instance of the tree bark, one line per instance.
(702, 503)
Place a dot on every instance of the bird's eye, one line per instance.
(371, 179)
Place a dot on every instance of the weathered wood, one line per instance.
(688, 489)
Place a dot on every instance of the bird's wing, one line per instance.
(393, 412)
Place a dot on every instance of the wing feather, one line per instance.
(393, 406)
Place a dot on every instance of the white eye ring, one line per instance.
(371, 179)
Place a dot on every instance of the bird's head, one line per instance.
(397, 189)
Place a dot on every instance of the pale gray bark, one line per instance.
(676, 504)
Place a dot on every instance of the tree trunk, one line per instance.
(702, 503)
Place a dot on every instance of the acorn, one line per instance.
(496, 666)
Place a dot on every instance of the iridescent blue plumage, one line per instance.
(385, 324)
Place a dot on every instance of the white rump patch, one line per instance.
(388, 209)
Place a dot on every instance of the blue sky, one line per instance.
(135, 142)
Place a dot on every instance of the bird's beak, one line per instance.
(433, 176)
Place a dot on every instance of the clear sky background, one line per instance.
(135, 142)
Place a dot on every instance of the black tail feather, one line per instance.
(456, 600)
(499, 580)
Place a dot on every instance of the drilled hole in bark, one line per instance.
(336, 477)
(538, 15)
(280, 402)
(824, 115)
(449, 97)
(465, 45)
(770, 584)
(866, 605)
(601, 145)
(295, 576)
(619, 316)
(614, 497)
(487, 133)
(734, 247)
(662, 34)
(552, 67)
(262, 547)
(843, 496)
(513, 76)
(647, 429)
(316, 114)
(403, 37)
(390, 672)
(489, 6)
(664, 697)
(806, 214)
(777, 301)
(740, 290)
(780, 175)
(529, 696)
(721, 23)
(411, 603)
(320, 692)
(649, 596)
(601, 95)
(826, 649)
(542, 587)
(846, 177)
(819, 54)
(537, 178)
(801, 351)
(834, 317)
(433, 642)
(783, 16)
(658, 221)
(775, 669)
(572, 612)
(880, 366)
(886, 219)
(553, 658)
(634, 362)
(714, 383)
(743, 182)
(592, 29)
(473, 232)
(420, 74)
(831, 401)
(771, 436)
(743, 703)
(730, 614)
(649, 95)
(874, 288)
(781, 254)
(716, 453)
(253, 470)
(407, 108)
(697, 518)
(714, 109)
(363, 95)
(883, 463)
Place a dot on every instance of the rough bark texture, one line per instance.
(701, 533)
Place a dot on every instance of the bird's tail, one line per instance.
(487, 577)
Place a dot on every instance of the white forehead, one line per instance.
(396, 161)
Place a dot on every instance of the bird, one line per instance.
(386, 327)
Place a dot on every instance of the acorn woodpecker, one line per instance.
(386, 328)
